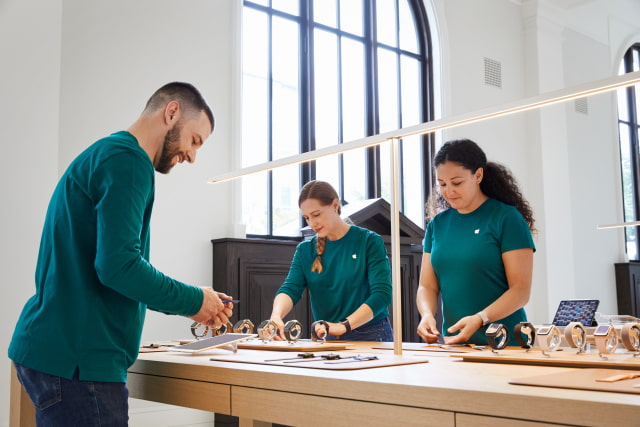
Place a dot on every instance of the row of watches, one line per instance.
(549, 337)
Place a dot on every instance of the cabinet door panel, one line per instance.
(259, 280)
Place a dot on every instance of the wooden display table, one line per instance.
(446, 391)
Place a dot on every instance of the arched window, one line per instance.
(629, 128)
(319, 73)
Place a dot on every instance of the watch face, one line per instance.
(544, 330)
(602, 330)
(493, 328)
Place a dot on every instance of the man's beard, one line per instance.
(170, 149)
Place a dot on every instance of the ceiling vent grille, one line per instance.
(582, 106)
(492, 72)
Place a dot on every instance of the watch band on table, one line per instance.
(522, 330)
(548, 338)
(630, 337)
(267, 329)
(606, 339)
(576, 335)
(292, 331)
(314, 335)
(497, 336)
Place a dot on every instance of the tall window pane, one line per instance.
(351, 17)
(354, 175)
(388, 90)
(286, 94)
(326, 72)
(288, 6)
(386, 19)
(286, 185)
(353, 90)
(408, 38)
(255, 104)
(325, 12)
(326, 89)
(629, 130)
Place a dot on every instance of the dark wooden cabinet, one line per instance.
(252, 270)
(628, 288)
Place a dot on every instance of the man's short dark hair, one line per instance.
(190, 99)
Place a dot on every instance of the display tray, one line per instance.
(301, 345)
(274, 358)
(207, 344)
(565, 357)
(444, 348)
(586, 379)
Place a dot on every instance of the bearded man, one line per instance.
(80, 332)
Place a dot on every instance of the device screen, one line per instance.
(582, 311)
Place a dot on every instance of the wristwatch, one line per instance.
(484, 317)
(630, 337)
(222, 329)
(314, 335)
(576, 335)
(497, 336)
(606, 338)
(548, 337)
(243, 327)
(199, 330)
(267, 329)
(522, 330)
(292, 331)
(346, 324)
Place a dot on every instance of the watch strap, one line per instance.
(500, 338)
(630, 336)
(569, 335)
(484, 317)
(346, 324)
(520, 330)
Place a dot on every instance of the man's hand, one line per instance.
(213, 311)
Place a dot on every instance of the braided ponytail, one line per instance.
(317, 263)
(325, 194)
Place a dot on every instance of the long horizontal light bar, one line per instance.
(622, 224)
(562, 95)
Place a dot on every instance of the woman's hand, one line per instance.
(427, 329)
(279, 336)
(467, 326)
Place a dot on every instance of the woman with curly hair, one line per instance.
(478, 248)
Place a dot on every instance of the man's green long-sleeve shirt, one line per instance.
(93, 278)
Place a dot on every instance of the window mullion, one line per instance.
(373, 184)
(307, 120)
(270, 218)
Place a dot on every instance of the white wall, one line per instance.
(75, 70)
(114, 55)
(29, 105)
(566, 162)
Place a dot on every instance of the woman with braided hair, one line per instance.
(345, 269)
(478, 248)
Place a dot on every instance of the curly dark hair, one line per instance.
(498, 182)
